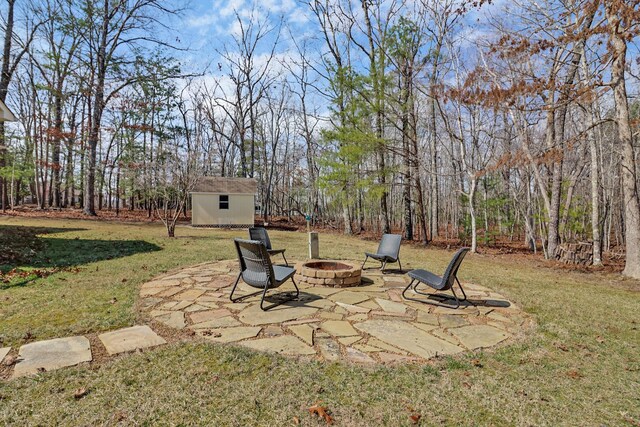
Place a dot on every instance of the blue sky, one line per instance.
(207, 25)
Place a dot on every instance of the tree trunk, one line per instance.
(472, 212)
(5, 77)
(625, 140)
(55, 155)
(98, 108)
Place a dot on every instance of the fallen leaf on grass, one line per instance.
(632, 421)
(322, 412)
(574, 374)
(80, 393)
(415, 418)
(600, 339)
(113, 300)
(563, 347)
(296, 421)
(477, 363)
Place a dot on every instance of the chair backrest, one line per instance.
(390, 245)
(255, 263)
(449, 276)
(260, 233)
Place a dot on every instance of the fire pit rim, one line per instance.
(347, 276)
(327, 265)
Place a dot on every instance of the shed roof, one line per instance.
(5, 113)
(223, 184)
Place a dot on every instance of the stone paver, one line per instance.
(391, 306)
(285, 344)
(339, 328)
(408, 337)
(52, 354)
(254, 315)
(347, 341)
(175, 320)
(349, 297)
(227, 335)
(479, 336)
(220, 322)
(3, 353)
(428, 318)
(329, 349)
(207, 315)
(451, 321)
(357, 356)
(190, 295)
(304, 332)
(353, 308)
(370, 323)
(130, 339)
(383, 345)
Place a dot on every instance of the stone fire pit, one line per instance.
(335, 274)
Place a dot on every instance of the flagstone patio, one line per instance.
(370, 323)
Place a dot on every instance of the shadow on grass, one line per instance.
(24, 249)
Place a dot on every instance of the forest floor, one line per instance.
(64, 277)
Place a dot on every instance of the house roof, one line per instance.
(5, 113)
(223, 184)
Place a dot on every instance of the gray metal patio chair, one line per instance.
(438, 283)
(257, 271)
(388, 251)
(260, 233)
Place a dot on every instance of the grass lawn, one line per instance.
(579, 366)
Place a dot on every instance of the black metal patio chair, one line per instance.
(260, 233)
(438, 283)
(256, 270)
(388, 251)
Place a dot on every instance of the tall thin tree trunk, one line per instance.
(628, 165)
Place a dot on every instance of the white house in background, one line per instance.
(223, 202)
(5, 113)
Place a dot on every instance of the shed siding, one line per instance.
(206, 209)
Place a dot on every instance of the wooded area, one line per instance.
(433, 117)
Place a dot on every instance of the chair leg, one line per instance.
(384, 264)
(462, 289)
(456, 297)
(426, 301)
(234, 287)
(400, 264)
(406, 289)
(264, 294)
(366, 257)
(296, 286)
(285, 260)
(242, 296)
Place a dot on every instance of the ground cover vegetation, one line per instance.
(444, 119)
(578, 366)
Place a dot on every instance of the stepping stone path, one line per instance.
(48, 355)
(130, 339)
(44, 356)
(367, 324)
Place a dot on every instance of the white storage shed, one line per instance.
(223, 202)
(5, 113)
